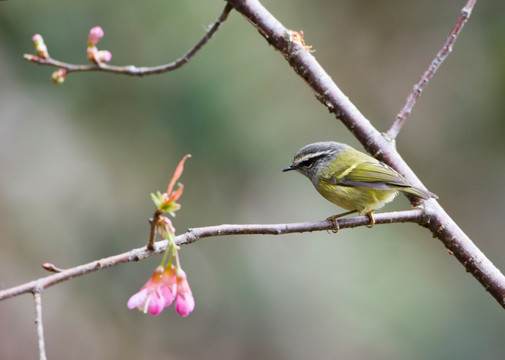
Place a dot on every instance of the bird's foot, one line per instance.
(334, 221)
(372, 220)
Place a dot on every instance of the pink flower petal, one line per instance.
(150, 298)
(137, 300)
(156, 304)
(167, 295)
(184, 305)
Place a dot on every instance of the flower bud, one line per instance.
(59, 76)
(40, 46)
(95, 34)
(103, 56)
(184, 300)
(98, 56)
(30, 57)
(91, 52)
(165, 227)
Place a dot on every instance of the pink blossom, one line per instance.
(165, 285)
(95, 34)
(170, 284)
(153, 296)
(184, 301)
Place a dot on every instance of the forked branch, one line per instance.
(293, 48)
(306, 66)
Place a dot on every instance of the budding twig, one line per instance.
(50, 267)
(428, 74)
(132, 69)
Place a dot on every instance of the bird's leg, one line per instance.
(372, 220)
(335, 217)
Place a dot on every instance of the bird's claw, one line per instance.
(334, 222)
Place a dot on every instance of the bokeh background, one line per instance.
(78, 161)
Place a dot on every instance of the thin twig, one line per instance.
(192, 235)
(428, 74)
(37, 298)
(306, 66)
(152, 231)
(132, 69)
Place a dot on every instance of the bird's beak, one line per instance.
(290, 167)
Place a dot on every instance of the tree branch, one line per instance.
(192, 235)
(291, 45)
(434, 216)
(428, 74)
(37, 298)
(132, 69)
(152, 232)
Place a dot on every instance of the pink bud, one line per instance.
(40, 46)
(37, 39)
(103, 56)
(95, 34)
(31, 57)
(91, 52)
(184, 301)
(165, 227)
(96, 56)
(59, 76)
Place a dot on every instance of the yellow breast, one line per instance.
(355, 198)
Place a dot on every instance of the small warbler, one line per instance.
(351, 179)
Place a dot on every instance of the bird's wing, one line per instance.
(377, 176)
(371, 175)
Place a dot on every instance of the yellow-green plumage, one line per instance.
(353, 198)
(351, 179)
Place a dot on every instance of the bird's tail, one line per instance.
(420, 193)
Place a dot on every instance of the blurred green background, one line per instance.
(78, 161)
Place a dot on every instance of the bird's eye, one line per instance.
(307, 163)
(311, 161)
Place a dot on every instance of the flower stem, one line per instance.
(164, 260)
(178, 263)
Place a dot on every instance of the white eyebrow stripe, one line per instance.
(313, 155)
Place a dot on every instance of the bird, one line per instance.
(351, 179)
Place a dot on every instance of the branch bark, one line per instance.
(192, 235)
(327, 92)
(37, 298)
